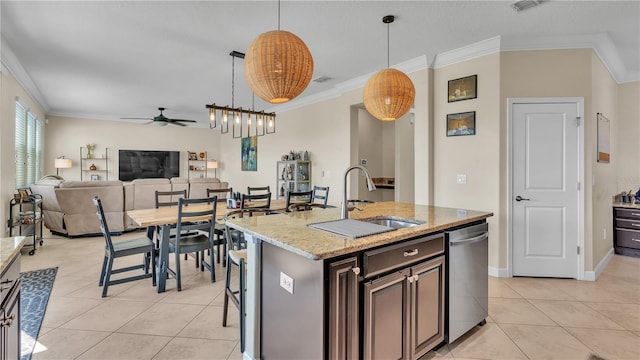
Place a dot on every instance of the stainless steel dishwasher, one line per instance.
(467, 263)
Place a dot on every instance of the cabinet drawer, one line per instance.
(9, 277)
(628, 224)
(628, 238)
(628, 213)
(396, 256)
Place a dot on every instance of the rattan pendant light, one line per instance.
(389, 93)
(278, 65)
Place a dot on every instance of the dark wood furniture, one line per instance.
(626, 230)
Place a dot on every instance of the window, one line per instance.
(28, 147)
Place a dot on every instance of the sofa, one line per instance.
(67, 208)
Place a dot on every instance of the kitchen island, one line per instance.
(289, 274)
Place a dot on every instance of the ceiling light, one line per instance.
(239, 115)
(526, 4)
(278, 65)
(389, 93)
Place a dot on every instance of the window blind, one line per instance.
(28, 147)
(21, 146)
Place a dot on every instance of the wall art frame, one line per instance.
(604, 139)
(461, 124)
(464, 88)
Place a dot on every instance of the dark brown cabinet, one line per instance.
(404, 312)
(10, 312)
(343, 305)
(626, 224)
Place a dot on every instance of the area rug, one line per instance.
(34, 296)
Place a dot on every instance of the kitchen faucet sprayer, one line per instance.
(344, 213)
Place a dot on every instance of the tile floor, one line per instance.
(528, 318)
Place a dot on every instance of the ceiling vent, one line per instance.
(526, 4)
(321, 79)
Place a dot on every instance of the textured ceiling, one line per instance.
(112, 59)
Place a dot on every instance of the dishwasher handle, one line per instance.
(467, 241)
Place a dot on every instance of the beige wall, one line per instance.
(9, 90)
(477, 156)
(628, 137)
(65, 136)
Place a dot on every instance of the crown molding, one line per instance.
(468, 52)
(14, 67)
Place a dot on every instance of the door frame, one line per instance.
(579, 102)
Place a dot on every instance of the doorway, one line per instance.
(546, 187)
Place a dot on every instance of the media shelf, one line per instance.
(197, 164)
(25, 218)
(292, 175)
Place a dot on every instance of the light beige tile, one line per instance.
(546, 342)
(499, 288)
(625, 315)
(516, 311)
(82, 340)
(486, 342)
(441, 353)
(191, 349)
(141, 291)
(109, 316)
(198, 289)
(162, 319)
(597, 292)
(535, 288)
(93, 291)
(44, 330)
(236, 354)
(127, 346)
(575, 314)
(208, 325)
(610, 344)
(65, 285)
(62, 309)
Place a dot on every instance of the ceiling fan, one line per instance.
(162, 120)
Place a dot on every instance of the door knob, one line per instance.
(520, 198)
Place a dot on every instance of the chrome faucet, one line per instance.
(344, 214)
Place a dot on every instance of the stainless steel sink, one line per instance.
(394, 222)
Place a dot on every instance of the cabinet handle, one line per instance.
(416, 277)
(356, 270)
(5, 282)
(411, 253)
(638, 240)
(636, 225)
(7, 321)
(410, 278)
(635, 214)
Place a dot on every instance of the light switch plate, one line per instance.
(461, 179)
(286, 282)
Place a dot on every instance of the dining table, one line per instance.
(166, 218)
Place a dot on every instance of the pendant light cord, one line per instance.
(388, 45)
(278, 15)
(233, 79)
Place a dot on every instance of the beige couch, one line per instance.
(68, 209)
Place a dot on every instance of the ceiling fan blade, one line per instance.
(182, 120)
(131, 118)
(176, 123)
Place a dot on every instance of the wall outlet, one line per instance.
(604, 233)
(286, 282)
(461, 179)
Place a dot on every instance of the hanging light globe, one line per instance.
(388, 94)
(278, 66)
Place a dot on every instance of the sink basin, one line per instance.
(394, 222)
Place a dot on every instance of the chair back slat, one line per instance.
(253, 190)
(174, 196)
(191, 219)
(262, 201)
(104, 228)
(222, 194)
(320, 193)
(298, 198)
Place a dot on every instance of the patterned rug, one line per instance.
(34, 296)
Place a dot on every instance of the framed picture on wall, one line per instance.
(604, 133)
(462, 89)
(461, 124)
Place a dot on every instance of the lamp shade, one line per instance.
(62, 163)
(278, 66)
(389, 94)
(212, 164)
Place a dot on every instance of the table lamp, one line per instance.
(213, 164)
(62, 163)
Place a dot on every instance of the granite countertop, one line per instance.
(626, 205)
(9, 249)
(290, 231)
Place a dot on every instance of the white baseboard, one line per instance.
(246, 356)
(498, 272)
(593, 275)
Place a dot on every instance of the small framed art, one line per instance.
(462, 89)
(95, 177)
(461, 124)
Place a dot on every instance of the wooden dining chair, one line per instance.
(223, 195)
(253, 190)
(299, 199)
(170, 198)
(118, 249)
(194, 236)
(262, 201)
(237, 256)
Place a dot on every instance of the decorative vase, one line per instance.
(201, 155)
(93, 166)
(88, 154)
(306, 155)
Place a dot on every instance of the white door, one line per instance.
(545, 189)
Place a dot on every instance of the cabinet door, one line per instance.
(427, 306)
(10, 323)
(343, 309)
(386, 313)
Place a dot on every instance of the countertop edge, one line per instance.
(9, 249)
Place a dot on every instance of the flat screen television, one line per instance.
(148, 164)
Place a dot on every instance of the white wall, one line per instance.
(628, 137)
